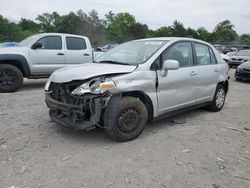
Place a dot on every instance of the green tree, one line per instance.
(96, 28)
(245, 39)
(118, 29)
(192, 33)
(82, 24)
(178, 30)
(49, 22)
(163, 32)
(69, 24)
(109, 18)
(224, 32)
(203, 34)
(29, 25)
(10, 31)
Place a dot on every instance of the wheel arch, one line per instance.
(16, 60)
(145, 99)
(225, 84)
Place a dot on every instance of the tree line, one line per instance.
(114, 28)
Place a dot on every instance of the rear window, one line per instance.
(74, 43)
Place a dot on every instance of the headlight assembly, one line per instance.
(48, 83)
(96, 86)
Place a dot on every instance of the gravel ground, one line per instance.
(198, 149)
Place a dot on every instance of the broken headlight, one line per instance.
(96, 86)
(48, 83)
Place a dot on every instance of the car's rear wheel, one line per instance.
(219, 99)
(130, 120)
(11, 78)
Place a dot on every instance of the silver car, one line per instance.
(240, 57)
(137, 82)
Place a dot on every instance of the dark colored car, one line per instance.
(243, 72)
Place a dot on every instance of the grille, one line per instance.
(236, 59)
(62, 93)
(247, 70)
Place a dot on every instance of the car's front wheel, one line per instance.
(11, 78)
(130, 120)
(219, 99)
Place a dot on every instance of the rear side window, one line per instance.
(204, 55)
(51, 43)
(74, 43)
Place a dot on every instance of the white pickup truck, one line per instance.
(39, 55)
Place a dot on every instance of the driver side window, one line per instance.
(181, 51)
(51, 43)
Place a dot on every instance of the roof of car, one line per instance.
(64, 34)
(172, 39)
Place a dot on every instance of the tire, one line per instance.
(219, 99)
(130, 120)
(11, 78)
(238, 79)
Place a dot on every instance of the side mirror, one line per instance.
(37, 45)
(169, 64)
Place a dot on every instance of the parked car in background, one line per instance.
(243, 71)
(106, 47)
(39, 55)
(225, 49)
(239, 58)
(230, 54)
(136, 82)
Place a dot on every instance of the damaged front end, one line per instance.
(81, 105)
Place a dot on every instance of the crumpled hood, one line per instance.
(88, 70)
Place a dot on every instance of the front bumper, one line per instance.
(83, 116)
(243, 75)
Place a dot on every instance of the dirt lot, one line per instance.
(200, 149)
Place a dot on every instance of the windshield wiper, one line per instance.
(114, 62)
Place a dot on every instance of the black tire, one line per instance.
(11, 78)
(238, 79)
(217, 104)
(131, 118)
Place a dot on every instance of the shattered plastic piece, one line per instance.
(67, 158)
(246, 128)
(186, 151)
(178, 121)
(2, 141)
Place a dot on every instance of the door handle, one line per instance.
(86, 54)
(216, 70)
(60, 53)
(193, 73)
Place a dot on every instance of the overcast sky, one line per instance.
(154, 13)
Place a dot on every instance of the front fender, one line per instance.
(16, 58)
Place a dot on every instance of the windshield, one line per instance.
(132, 53)
(27, 41)
(243, 53)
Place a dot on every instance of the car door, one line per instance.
(49, 57)
(77, 51)
(207, 72)
(177, 89)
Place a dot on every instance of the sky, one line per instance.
(154, 13)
